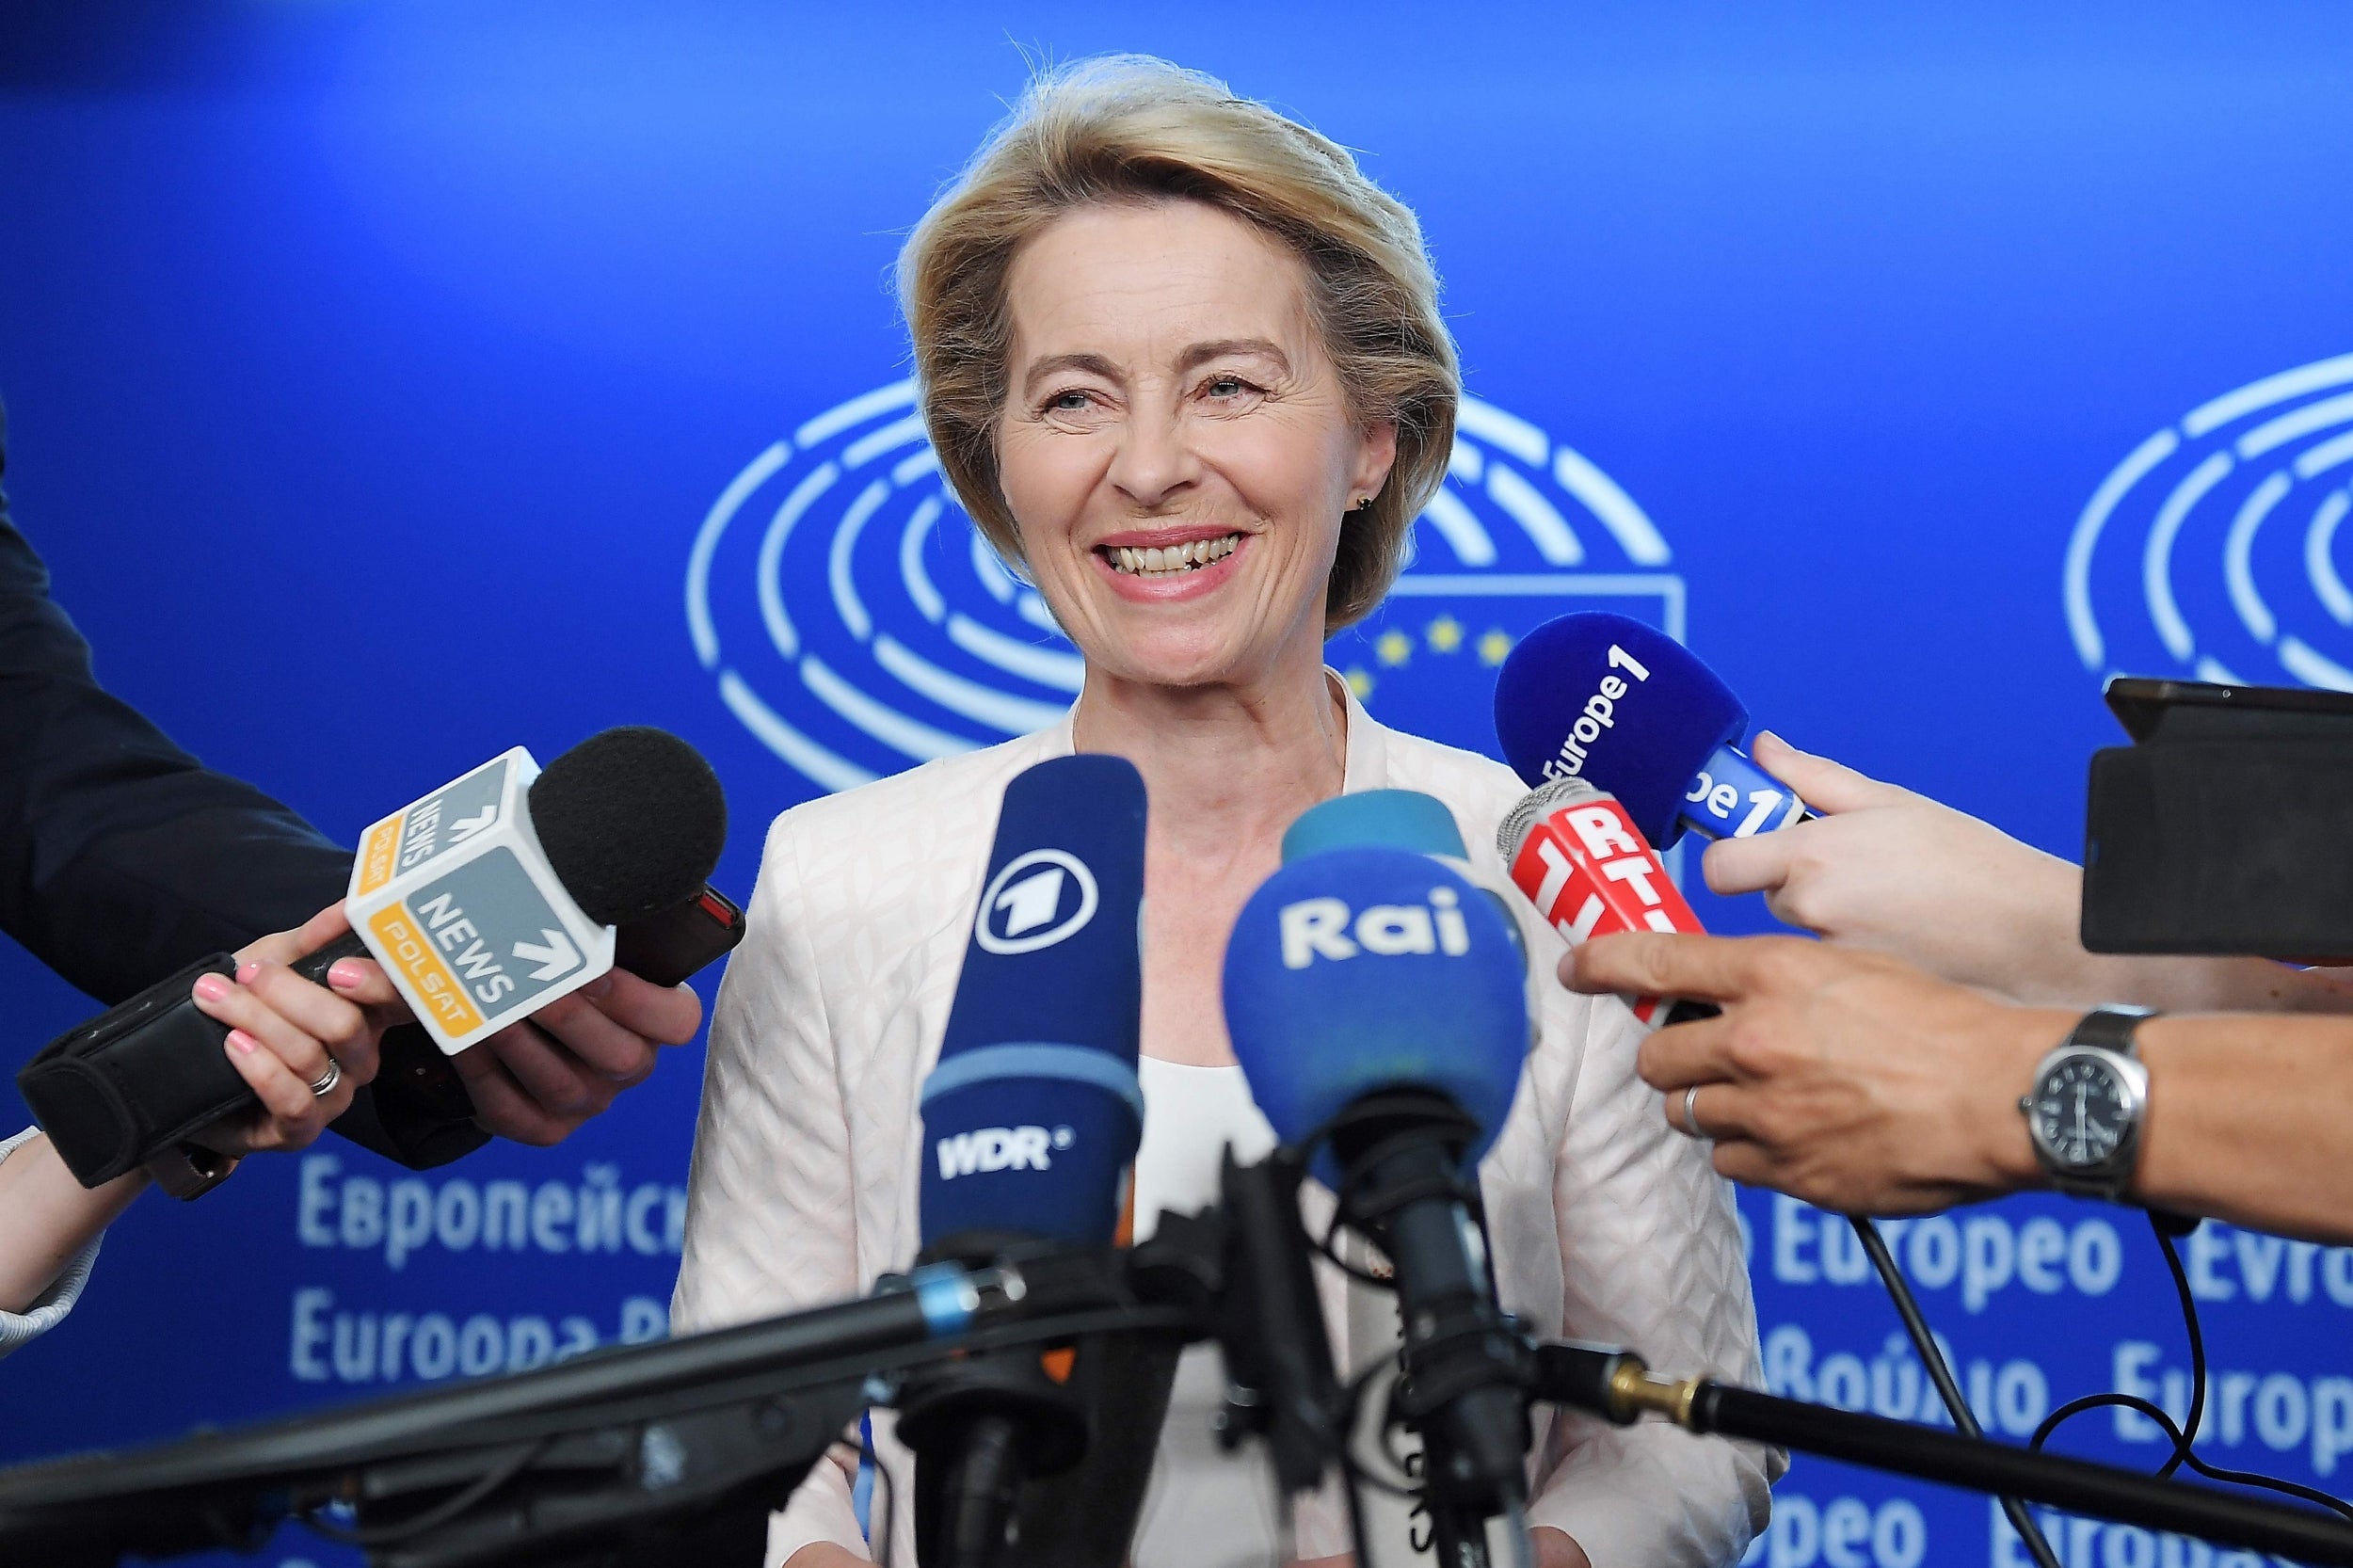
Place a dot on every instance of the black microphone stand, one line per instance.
(1617, 1385)
(641, 1457)
(1464, 1363)
(980, 1426)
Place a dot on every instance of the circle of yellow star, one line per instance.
(1493, 645)
(1444, 636)
(1359, 681)
(1393, 646)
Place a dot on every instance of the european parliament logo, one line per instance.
(857, 623)
(2210, 552)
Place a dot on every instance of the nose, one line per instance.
(1155, 464)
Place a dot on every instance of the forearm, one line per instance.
(2245, 1121)
(49, 1217)
(2045, 963)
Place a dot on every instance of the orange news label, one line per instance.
(429, 979)
(375, 856)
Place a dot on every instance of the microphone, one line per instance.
(1378, 1007)
(1575, 850)
(1030, 1122)
(1608, 700)
(1400, 819)
(485, 900)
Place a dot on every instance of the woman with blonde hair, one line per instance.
(1183, 365)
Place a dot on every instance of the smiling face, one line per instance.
(1175, 444)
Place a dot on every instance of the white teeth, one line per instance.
(1164, 561)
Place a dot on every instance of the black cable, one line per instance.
(1328, 1246)
(1932, 1361)
(441, 1513)
(2182, 1439)
(2188, 1434)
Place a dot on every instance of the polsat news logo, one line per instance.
(857, 623)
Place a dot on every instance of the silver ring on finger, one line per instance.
(1691, 1112)
(325, 1084)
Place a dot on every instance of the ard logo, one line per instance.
(856, 622)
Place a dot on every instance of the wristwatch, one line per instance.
(2085, 1111)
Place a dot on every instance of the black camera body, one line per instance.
(2227, 827)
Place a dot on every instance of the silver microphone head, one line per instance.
(1535, 806)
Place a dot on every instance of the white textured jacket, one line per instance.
(1607, 1225)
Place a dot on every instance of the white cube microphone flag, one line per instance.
(498, 893)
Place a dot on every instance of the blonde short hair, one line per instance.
(1129, 127)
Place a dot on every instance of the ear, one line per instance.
(1376, 454)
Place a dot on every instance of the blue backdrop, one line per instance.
(392, 383)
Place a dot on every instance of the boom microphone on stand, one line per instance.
(1378, 1007)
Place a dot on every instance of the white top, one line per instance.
(1206, 1508)
(1605, 1224)
(49, 1309)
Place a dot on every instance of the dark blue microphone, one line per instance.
(1631, 711)
(1031, 1116)
(1030, 1122)
(1377, 1004)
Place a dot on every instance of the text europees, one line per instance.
(1982, 1253)
(330, 1345)
(597, 1214)
(2008, 1397)
(1988, 1252)
(2096, 1544)
(2282, 1411)
(1845, 1532)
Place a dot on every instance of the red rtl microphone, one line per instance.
(1580, 859)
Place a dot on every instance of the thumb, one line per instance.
(1828, 787)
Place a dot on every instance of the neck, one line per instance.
(1225, 766)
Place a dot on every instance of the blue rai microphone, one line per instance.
(1030, 1122)
(1378, 1007)
(1631, 711)
(1399, 819)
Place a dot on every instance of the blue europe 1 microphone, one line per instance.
(1635, 712)
(1030, 1121)
(1376, 1005)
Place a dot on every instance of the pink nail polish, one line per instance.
(345, 974)
(245, 1043)
(212, 987)
(247, 971)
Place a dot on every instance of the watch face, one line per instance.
(2080, 1109)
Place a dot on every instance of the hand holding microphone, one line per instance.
(1886, 870)
(1841, 1077)
(487, 900)
(304, 1047)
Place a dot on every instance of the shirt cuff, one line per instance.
(49, 1307)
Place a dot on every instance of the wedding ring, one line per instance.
(328, 1079)
(1691, 1112)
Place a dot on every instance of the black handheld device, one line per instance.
(2227, 828)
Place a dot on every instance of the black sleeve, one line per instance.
(123, 858)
